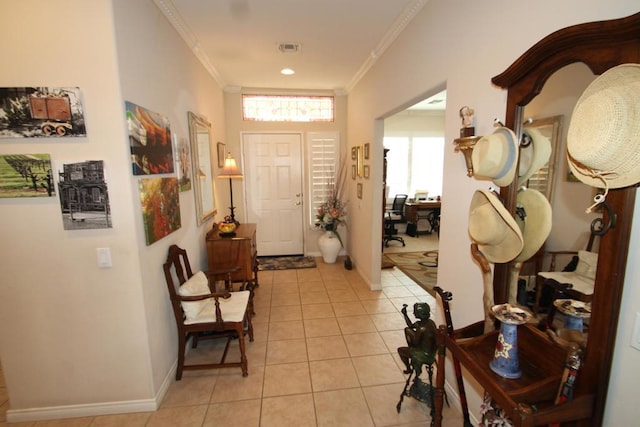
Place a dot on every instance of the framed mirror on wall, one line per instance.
(600, 46)
(200, 137)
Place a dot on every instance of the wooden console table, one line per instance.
(234, 251)
(527, 401)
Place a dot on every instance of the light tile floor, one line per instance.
(325, 354)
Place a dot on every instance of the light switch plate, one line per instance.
(104, 257)
(635, 337)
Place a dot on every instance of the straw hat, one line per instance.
(603, 140)
(536, 224)
(534, 156)
(495, 156)
(493, 229)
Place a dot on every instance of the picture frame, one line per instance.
(366, 151)
(365, 171)
(359, 160)
(353, 172)
(359, 190)
(221, 150)
(354, 153)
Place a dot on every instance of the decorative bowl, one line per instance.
(227, 227)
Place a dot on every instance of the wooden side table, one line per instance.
(234, 251)
(527, 401)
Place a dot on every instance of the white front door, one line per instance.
(273, 179)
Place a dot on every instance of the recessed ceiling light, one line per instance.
(287, 71)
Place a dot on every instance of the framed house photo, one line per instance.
(221, 148)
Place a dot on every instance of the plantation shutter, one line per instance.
(324, 156)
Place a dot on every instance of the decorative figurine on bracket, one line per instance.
(466, 114)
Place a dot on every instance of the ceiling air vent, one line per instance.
(289, 47)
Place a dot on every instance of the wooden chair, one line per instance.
(201, 311)
(576, 280)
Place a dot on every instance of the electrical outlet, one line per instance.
(635, 337)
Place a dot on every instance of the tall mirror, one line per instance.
(200, 136)
(596, 46)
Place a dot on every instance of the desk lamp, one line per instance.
(230, 170)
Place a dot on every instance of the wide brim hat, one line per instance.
(495, 156)
(535, 223)
(493, 229)
(534, 156)
(603, 140)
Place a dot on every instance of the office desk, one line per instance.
(429, 210)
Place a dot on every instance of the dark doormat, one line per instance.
(285, 262)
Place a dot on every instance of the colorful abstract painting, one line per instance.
(160, 202)
(150, 141)
(27, 112)
(26, 175)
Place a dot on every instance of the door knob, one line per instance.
(298, 195)
(298, 203)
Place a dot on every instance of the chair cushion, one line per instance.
(578, 282)
(233, 309)
(198, 284)
(587, 264)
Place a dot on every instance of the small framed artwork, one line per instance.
(353, 172)
(221, 148)
(359, 190)
(365, 171)
(366, 151)
(359, 160)
(354, 153)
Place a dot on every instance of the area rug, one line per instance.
(285, 262)
(421, 267)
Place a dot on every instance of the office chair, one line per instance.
(393, 216)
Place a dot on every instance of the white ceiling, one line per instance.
(237, 40)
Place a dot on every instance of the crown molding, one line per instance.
(173, 16)
(410, 11)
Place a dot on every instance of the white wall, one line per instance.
(76, 339)
(463, 47)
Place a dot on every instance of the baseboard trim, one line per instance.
(93, 409)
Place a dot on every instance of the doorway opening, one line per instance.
(414, 145)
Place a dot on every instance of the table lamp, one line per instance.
(230, 170)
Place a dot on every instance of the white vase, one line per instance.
(329, 246)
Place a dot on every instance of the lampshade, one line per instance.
(230, 168)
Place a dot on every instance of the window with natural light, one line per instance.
(279, 108)
(323, 151)
(414, 164)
